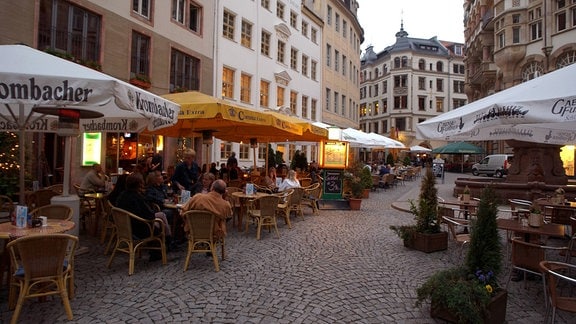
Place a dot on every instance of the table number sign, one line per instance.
(21, 216)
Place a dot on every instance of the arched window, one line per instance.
(439, 66)
(396, 62)
(422, 64)
(404, 61)
(566, 59)
(384, 69)
(532, 71)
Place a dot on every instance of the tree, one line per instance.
(9, 164)
(299, 161)
(271, 157)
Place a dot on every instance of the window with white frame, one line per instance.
(293, 19)
(264, 93)
(228, 25)
(501, 39)
(532, 71)
(187, 13)
(304, 106)
(294, 58)
(439, 104)
(336, 60)
(265, 4)
(281, 51)
(225, 150)
(304, 65)
(244, 151)
(314, 35)
(293, 102)
(280, 10)
(280, 97)
(313, 70)
(328, 55)
(329, 15)
(245, 87)
(304, 27)
(313, 104)
(141, 7)
(184, 71)
(227, 83)
(140, 55)
(515, 35)
(262, 148)
(265, 43)
(246, 37)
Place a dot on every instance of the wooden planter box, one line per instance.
(428, 242)
(496, 310)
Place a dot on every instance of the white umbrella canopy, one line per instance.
(542, 110)
(34, 84)
(419, 149)
(386, 142)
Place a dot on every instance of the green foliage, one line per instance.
(405, 232)
(353, 179)
(390, 159)
(465, 291)
(426, 209)
(299, 161)
(271, 157)
(366, 178)
(407, 161)
(9, 164)
(278, 156)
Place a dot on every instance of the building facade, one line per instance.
(408, 82)
(510, 42)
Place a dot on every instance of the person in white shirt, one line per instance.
(289, 182)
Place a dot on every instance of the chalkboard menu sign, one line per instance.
(332, 184)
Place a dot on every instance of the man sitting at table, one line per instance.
(213, 202)
(157, 193)
(94, 180)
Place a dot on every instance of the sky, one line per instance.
(381, 19)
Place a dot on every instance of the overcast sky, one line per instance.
(381, 19)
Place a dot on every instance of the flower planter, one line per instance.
(366, 194)
(495, 312)
(140, 83)
(354, 203)
(535, 220)
(428, 242)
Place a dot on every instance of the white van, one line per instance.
(496, 164)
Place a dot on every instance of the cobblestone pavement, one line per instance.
(338, 267)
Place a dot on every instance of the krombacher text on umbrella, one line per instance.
(92, 126)
(32, 91)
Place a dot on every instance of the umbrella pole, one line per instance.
(67, 157)
(21, 143)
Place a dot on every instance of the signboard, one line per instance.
(91, 148)
(332, 184)
(333, 154)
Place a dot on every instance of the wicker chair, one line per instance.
(312, 197)
(37, 269)
(127, 243)
(234, 202)
(283, 208)
(296, 201)
(559, 281)
(453, 224)
(201, 238)
(54, 211)
(6, 208)
(40, 198)
(265, 216)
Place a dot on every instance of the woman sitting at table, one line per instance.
(289, 182)
(270, 179)
(204, 183)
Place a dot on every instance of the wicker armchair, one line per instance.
(54, 211)
(265, 216)
(42, 265)
(312, 196)
(201, 238)
(283, 208)
(296, 201)
(127, 243)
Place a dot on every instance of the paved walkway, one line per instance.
(338, 267)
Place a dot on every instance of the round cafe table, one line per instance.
(11, 232)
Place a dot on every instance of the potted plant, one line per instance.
(470, 293)
(535, 219)
(354, 186)
(141, 80)
(425, 235)
(366, 179)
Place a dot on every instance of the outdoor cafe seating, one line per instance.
(263, 214)
(201, 238)
(559, 283)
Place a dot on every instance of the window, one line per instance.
(264, 93)
(265, 43)
(532, 71)
(421, 64)
(400, 102)
(561, 21)
(280, 10)
(279, 97)
(375, 90)
(329, 15)
(225, 150)
(328, 54)
(293, 102)
(337, 23)
(396, 62)
(344, 27)
(313, 69)
(191, 17)
(400, 123)
(376, 106)
(184, 71)
(336, 60)
(404, 61)
(294, 58)
(439, 105)
(458, 86)
(245, 88)
(228, 25)
(293, 19)
(265, 4)
(421, 83)
(80, 39)
(458, 102)
(516, 19)
(314, 35)
(536, 30)
(343, 105)
(515, 35)
(140, 55)
(304, 28)
(501, 40)
(246, 34)
(304, 107)
(439, 85)
(262, 149)
(141, 7)
(384, 86)
(281, 51)
(344, 65)
(227, 83)
(244, 151)
(400, 81)
(336, 95)
(363, 110)
(305, 65)
(439, 66)
(327, 106)
(566, 59)
(422, 103)
(313, 104)
(178, 10)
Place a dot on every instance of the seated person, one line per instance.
(157, 193)
(119, 187)
(289, 182)
(204, 184)
(213, 202)
(133, 200)
(94, 180)
(270, 179)
(383, 170)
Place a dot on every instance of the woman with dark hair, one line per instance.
(119, 187)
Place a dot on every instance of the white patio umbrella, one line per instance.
(34, 85)
(419, 149)
(542, 110)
